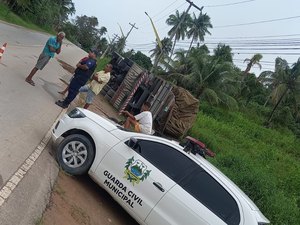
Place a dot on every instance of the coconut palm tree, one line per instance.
(198, 27)
(253, 61)
(208, 79)
(181, 62)
(179, 23)
(223, 53)
(285, 84)
(164, 52)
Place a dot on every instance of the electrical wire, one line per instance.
(165, 9)
(229, 4)
(257, 22)
(170, 12)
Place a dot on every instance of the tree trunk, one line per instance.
(173, 47)
(275, 107)
(266, 102)
(247, 70)
(188, 52)
(172, 50)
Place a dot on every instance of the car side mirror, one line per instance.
(132, 143)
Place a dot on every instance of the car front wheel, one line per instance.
(75, 154)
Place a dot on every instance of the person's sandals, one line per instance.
(30, 82)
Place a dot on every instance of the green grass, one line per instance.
(10, 17)
(263, 162)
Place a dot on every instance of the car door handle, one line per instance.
(159, 186)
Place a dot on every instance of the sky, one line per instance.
(269, 27)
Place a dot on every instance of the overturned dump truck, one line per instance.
(173, 108)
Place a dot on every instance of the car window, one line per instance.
(167, 159)
(210, 193)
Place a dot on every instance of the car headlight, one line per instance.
(76, 113)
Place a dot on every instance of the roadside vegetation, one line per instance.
(263, 162)
(7, 15)
(251, 121)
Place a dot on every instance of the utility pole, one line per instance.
(173, 34)
(108, 46)
(132, 26)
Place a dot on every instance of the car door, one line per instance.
(139, 172)
(201, 201)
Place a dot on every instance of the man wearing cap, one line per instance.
(53, 45)
(83, 72)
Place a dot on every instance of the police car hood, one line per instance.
(106, 123)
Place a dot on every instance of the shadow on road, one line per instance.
(51, 88)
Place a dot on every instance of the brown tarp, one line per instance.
(183, 113)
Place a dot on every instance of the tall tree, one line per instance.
(66, 8)
(253, 61)
(87, 32)
(178, 27)
(207, 79)
(223, 53)
(285, 83)
(181, 63)
(166, 49)
(198, 27)
(141, 59)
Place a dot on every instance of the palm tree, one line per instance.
(181, 63)
(208, 79)
(179, 23)
(253, 61)
(223, 53)
(164, 52)
(285, 83)
(198, 27)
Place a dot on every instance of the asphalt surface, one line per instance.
(26, 115)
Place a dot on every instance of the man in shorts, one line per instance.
(53, 45)
(142, 123)
(95, 86)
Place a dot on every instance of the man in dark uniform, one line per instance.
(83, 72)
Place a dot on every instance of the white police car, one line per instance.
(152, 178)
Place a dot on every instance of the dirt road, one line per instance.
(79, 201)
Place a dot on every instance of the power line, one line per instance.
(258, 22)
(268, 53)
(228, 4)
(165, 9)
(174, 10)
(258, 42)
(266, 36)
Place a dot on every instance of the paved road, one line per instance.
(27, 112)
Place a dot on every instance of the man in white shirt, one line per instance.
(141, 122)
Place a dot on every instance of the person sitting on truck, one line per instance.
(142, 122)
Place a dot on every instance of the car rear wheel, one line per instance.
(75, 154)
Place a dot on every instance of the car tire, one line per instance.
(75, 154)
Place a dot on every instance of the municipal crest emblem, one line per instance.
(136, 171)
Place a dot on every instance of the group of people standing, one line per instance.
(83, 73)
(85, 80)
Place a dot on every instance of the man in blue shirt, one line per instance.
(53, 45)
(83, 72)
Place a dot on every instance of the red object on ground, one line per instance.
(2, 49)
(201, 145)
